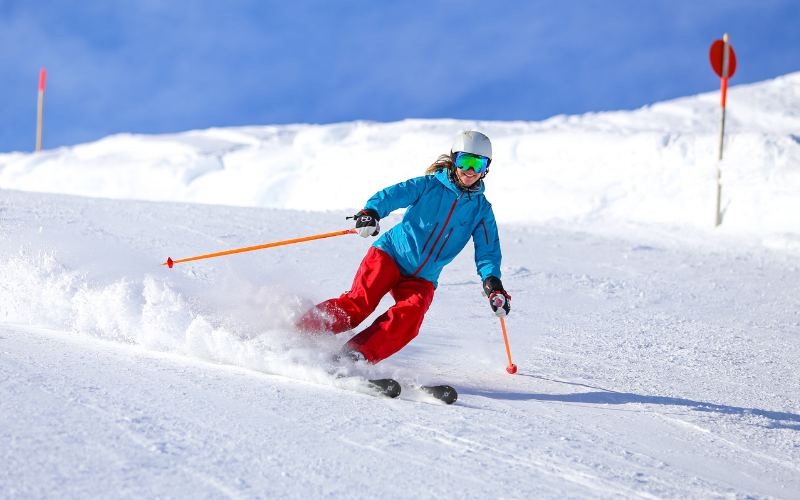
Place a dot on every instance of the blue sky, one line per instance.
(167, 66)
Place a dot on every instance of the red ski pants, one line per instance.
(392, 330)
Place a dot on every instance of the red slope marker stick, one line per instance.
(723, 62)
(40, 109)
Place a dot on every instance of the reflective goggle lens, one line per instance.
(466, 161)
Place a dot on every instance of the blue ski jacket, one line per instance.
(438, 223)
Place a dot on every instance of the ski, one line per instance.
(443, 393)
(385, 387)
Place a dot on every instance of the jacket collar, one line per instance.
(442, 176)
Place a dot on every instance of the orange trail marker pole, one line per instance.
(723, 61)
(723, 91)
(40, 110)
(512, 368)
(170, 262)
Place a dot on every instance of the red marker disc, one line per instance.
(715, 55)
(512, 369)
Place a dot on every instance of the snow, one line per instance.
(657, 356)
(655, 164)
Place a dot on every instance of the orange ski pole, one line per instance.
(170, 262)
(512, 368)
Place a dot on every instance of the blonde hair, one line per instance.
(443, 162)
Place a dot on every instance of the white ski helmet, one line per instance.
(472, 142)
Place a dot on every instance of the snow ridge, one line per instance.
(654, 164)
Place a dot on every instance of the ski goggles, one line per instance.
(466, 161)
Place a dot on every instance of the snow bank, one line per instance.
(654, 164)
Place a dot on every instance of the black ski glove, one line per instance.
(367, 223)
(498, 298)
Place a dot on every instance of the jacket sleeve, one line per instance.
(487, 247)
(400, 195)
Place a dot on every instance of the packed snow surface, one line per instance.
(657, 357)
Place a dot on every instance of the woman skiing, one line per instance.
(446, 208)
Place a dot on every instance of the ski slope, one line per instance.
(657, 357)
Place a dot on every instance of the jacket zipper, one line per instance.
(443, 245)
(484, 232)
(437, 238)
(431, 236)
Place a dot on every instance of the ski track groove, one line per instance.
(731, 444)
(591, 482)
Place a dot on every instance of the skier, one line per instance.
(445, 208)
